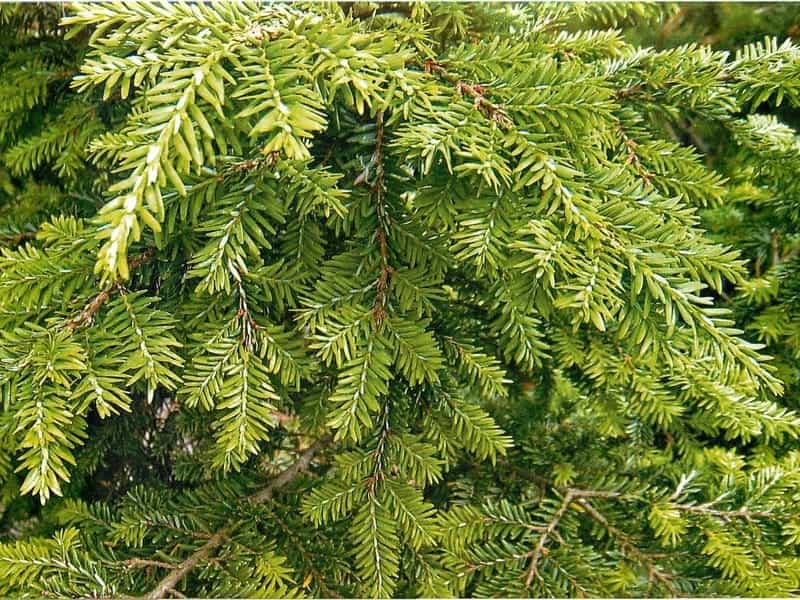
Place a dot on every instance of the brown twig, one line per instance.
(382, 282)
(536, 553)
(633, 157)
(249, 165)
(576, 493)
(653, 572)
(203, 554)
(91, 309)
(725, 515)
(141, 563)
(200, 555)
(16, 238)
(141, 259)
(629, 91)
(672, 24)
(359, 10)
(774, 243)
(570, 495)
(793, 253)
(494, 112)
(161, 525)
(283, 417)
(289, 474)
(695, 138)
(64, 74)
(377, 191)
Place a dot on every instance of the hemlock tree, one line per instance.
(412, 300)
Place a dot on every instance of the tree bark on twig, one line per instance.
(202, 554)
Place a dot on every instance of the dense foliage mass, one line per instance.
(395, 300)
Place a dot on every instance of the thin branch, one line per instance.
(359, 10)
(536, 553)
(629, 91)
(685, 480)
(774, 242)
(203, 554)
(742, 513)
(653, 572)
(289, 474)
(142, 563)
(633, 157)
(141, 259)
(200, 555)
(697, 141)
(670, 26)
(793, 253)
(494, 112)
(89, 311)
(580, 497)
(87, 315)
(576, 493)
(377, 190)
(570, 495)
(17, 238)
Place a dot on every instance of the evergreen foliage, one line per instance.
(759, 158)
(394, 300)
